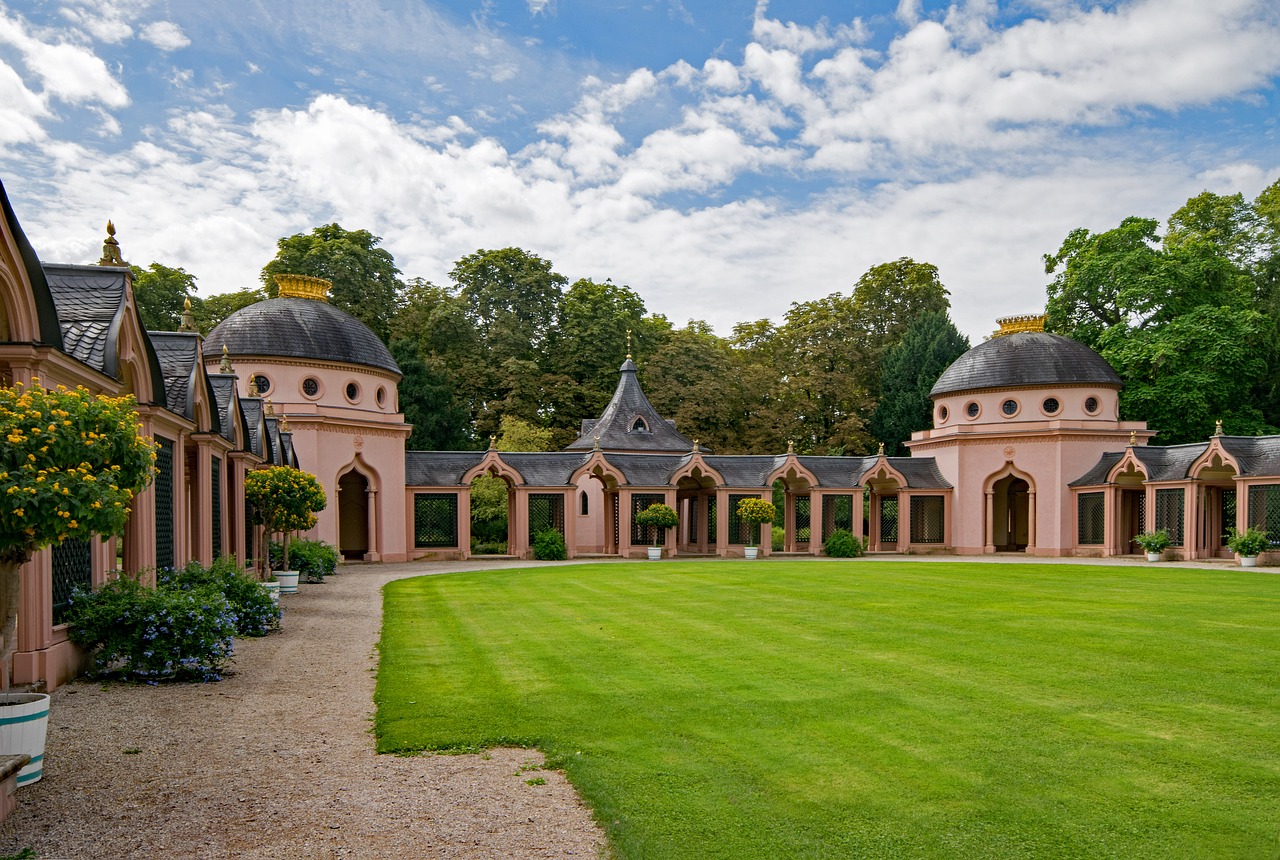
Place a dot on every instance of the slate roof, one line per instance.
(224, 386)
(1257, 455)
(179, 355)
(921, 473)
(259, 439)
(743, 470)
(300, 328)
(46, 312)
(90, 301)
(837, 471)
(647, 470)
(1098, 474)
(438, 468)
(616, 425)
(550, 469)
(1024, 360)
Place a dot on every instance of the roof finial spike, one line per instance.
(696, 447)
(791, 446)
(493, 442)
(1133, 438)
(224, 366)
(252, 391)
(188, 318)
(880, 453)
(1217, 430)
(284, 424)
(628, 343)
(269, 409)
(596, 446)
(111, 249)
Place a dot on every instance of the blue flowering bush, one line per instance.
(137, 633)
(256, 613)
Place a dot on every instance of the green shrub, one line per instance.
(479, 547)
(146, 634)
(842, 544)
(548, 545)
(256, 613)
(313, 559)
(776, 537)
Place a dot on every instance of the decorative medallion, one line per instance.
(1009, 451)
(358, 441)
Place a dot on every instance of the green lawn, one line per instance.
(884, 709)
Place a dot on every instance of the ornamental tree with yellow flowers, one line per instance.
(284, 500)
(70, 464)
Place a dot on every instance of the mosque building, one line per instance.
(1026, 452)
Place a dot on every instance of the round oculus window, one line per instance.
(1009, 407)
(381, 396)
(264, 384)
(1051, 405)
(310, 386)
(972, 409)
(1091, 405)
(353, 391)
(942, 413)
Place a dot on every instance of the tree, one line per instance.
(160, 292)
(512, 298)
(886, 300)
(365, 279)
(908, 372)
(71, 465)
(284, 500)
(440, 422)
(516, 434)
(210, 311)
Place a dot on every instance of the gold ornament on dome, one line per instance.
(303, 287)
(1019, 323)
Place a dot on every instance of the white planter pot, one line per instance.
(1248, 561)
(751, 552)
(1154, 556)
(288, 580)
(655, 553)
(24, 721)
(273, 589)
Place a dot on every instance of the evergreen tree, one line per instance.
(908, 371)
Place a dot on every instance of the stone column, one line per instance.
(990, 525)
(371, 505)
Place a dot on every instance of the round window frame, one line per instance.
(1017, 407)
(302, 387)
(972, 410)
(1097, 406)
(1044, 406)
(943, 414)
(346, 391)
(262, 392)
(380, 396)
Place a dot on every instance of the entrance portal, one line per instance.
(353, 515)
(1011, 520)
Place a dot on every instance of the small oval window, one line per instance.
(942, 414)
(1091, 405)
(353, 391)
(972, 409)
(311, 386)
(1009, 407)
(1051, 405)
(381, 395)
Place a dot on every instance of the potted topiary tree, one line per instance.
(1154, 543)
(1248, 544)
(658, 517)
(70, 465)
(284, 500)
(754, 512)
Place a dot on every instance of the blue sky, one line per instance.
(724, 158)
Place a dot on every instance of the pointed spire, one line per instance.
(224, 366)
(628, 343)
(188, 318)
(253, 387)
(111, 249)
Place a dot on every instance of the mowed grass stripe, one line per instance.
(874, 709)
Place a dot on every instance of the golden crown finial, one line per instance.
(1019, 323)
(303, 287)
(224, 366)
(111, 249)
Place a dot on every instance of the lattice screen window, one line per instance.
(1091, 518)
(888, 519)
(215, 488)
(435, 519)
(837, 513)
(641, 536)
(72, 566)
(250, 531)
(164, 503)
(546, 511)
(804, 524)
(1169, 510)
(713, 521)
(739, 531)
(1228, 513)
(693, 519)
(927, 519)
(1264, 510)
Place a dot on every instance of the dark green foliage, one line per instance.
(429, 403)
(909, 370)
(313, 559)
(842, 544)
(255, 612)
(160, 292)
(479, 547)
(548, 545)
(138, 633)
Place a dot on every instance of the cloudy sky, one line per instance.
(724, 158)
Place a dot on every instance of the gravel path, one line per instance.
(277, 761)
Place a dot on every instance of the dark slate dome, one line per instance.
(300, 328)
(1026, 360)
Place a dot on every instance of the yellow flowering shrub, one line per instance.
(284, 500)
(70, 466)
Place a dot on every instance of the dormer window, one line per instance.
(638, 426)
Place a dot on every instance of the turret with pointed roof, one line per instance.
(629, 422)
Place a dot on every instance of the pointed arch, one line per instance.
(493, 464)
(792, 472)
(1214, 459)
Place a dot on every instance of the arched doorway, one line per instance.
(353, 515)
(1011, 514)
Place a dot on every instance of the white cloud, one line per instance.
(541, 7)
(165, 35)
(68, 72)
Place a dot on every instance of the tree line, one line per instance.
(509, 347)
